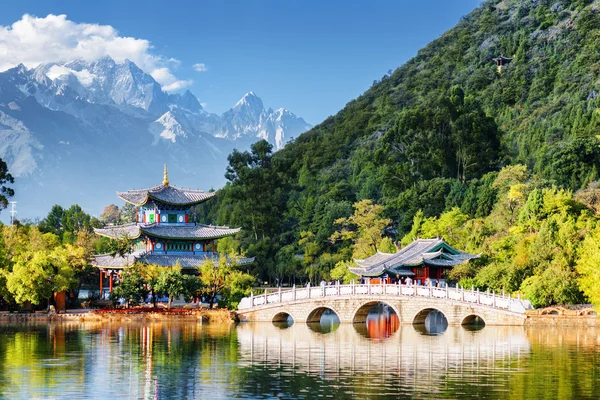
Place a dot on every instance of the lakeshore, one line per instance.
(124, 315)
(583, 316)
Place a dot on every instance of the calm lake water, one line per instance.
(379, 359)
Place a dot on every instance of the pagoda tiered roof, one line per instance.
(434, 252)
(167, 231)
(166, 194)
(191, 261)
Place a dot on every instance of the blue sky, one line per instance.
(310, 57)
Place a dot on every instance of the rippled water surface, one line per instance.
(378, 359)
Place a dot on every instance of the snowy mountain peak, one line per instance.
(249, 119)
(167, 127)
(250, 104)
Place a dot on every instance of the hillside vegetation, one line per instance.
(499, 162)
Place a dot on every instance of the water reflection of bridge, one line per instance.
(406, 353)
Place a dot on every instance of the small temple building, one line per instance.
(421, 260)
(501, 62)
(163, 233)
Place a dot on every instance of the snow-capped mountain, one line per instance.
(76, 132)
(248, 118)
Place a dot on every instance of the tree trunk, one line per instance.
(169, 303)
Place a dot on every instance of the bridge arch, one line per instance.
(431, 321)
(282, 316)
(359, 315)
(473, 320)
(420, 317)
(317, 312)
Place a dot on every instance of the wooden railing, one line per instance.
(470, 296)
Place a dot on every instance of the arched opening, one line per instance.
(376, 320)
(323, 320)
(473, 323)
(283, 320)
(592, 312)
(430, 321)
(553, 312)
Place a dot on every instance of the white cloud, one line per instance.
(200, 67)
(33, 40)
(168, 81)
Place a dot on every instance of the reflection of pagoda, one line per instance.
(163, 234)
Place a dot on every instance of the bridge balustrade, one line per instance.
(455, 294)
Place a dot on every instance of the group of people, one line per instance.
(329, 283)
(407, 281)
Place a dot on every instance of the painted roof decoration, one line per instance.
(188, 231)
(433, 252)
(165, 260)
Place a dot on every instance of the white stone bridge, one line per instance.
(411, 303)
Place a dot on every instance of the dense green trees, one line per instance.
(5, 179)
(364, 229)
(503, 163)
(115, 215)
(224, 279)
(34, 265)
(66, 223)
(447, 145)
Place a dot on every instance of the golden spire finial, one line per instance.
(166, 177)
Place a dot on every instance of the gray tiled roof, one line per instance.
(430, 251)
(108, 261)
(131, 231)
(167, 231)
(165, 260)
(166, 194)
(198, 231)
(185, 261)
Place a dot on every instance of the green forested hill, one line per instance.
(431, 138)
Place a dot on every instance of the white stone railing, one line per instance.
(470, 296)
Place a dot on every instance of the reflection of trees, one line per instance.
(175, 360)
(31, 356)
(189, 360)
(569, 355)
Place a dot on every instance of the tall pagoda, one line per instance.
(162, 233)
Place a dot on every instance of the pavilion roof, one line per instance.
(435, 252)
(167, 231)
(131, 231)
(197, 231)
(191, 261)
(166, 194)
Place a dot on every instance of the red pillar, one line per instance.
(101, 273)
(213, 246)
(110, 279)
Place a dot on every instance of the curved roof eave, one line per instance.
(131, 202)
(96, 231)
(145, 232)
